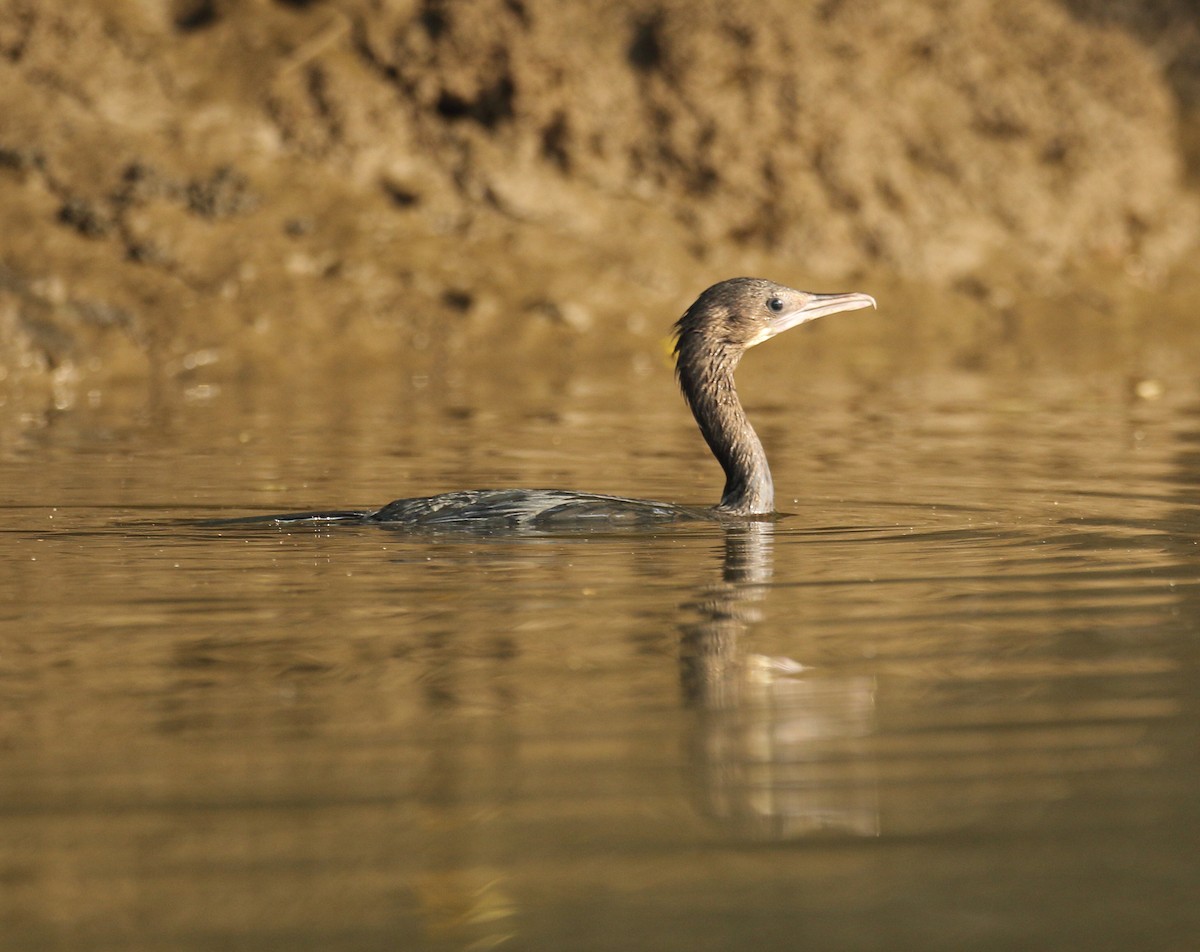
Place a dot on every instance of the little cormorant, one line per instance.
(711, 337)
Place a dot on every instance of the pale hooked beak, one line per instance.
(819, 305)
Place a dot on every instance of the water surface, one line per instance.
(950, 701)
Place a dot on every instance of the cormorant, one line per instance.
(711, 337)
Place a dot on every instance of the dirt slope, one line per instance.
(181, 181)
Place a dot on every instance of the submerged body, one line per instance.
(724, 322)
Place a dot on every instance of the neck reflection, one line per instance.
(775, 749)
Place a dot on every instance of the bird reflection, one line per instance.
(775, 747)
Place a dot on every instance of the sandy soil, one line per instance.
(208, 181)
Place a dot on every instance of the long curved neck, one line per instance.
(707, 384)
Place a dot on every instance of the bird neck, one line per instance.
(713, 399)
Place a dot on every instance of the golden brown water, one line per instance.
(950, 703)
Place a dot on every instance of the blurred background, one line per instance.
(190, 190)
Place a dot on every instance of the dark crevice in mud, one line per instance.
(325, 105)
(491, 106)
(399, 195)
(645, 52)
(223, 194)
(192, 15)
(82, 215)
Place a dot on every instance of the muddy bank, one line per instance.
(207, 183)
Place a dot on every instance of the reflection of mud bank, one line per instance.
(268, 175)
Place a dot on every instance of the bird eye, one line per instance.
(775, 304)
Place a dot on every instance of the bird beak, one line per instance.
(818, 305)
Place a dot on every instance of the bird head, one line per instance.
(735, 315)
